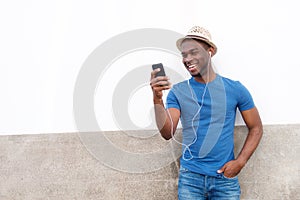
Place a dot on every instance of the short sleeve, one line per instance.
(245, 100)
(172, 101)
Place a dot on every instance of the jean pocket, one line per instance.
(230, 178)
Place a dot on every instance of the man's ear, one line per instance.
(211, 51)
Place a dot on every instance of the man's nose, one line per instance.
(188, 58)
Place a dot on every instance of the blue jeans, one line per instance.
(194, 186)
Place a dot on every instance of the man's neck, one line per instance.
(206, 78)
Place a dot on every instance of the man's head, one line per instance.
(196, 49)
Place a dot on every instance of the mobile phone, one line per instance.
(162, 70)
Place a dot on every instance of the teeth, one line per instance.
(191, 66)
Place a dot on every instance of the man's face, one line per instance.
(194, 57)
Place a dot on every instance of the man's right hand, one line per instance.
(158, 84)
(166, 121)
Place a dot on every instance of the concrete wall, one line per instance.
(58, 166)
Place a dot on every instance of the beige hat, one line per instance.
(198, 33)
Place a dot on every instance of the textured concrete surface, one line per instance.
(59, 166)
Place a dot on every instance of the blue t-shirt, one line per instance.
(207, 115)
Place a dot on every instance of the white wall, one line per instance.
(45, 43)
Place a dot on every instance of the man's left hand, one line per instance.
(231, 169)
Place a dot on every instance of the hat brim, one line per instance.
(179, 42)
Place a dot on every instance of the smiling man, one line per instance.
(206, 104)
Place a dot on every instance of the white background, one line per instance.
(43, 45)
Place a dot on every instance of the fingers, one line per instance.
(162, 87)
(222, 169)
(160, 81)
(230, 169)
(154, 72)
(158, 84)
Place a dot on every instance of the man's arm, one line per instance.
(255, 131)
(166, 120)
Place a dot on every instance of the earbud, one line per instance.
(209, 53)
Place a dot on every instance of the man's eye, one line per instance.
(195, 52)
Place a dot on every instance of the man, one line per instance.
(206, 104)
